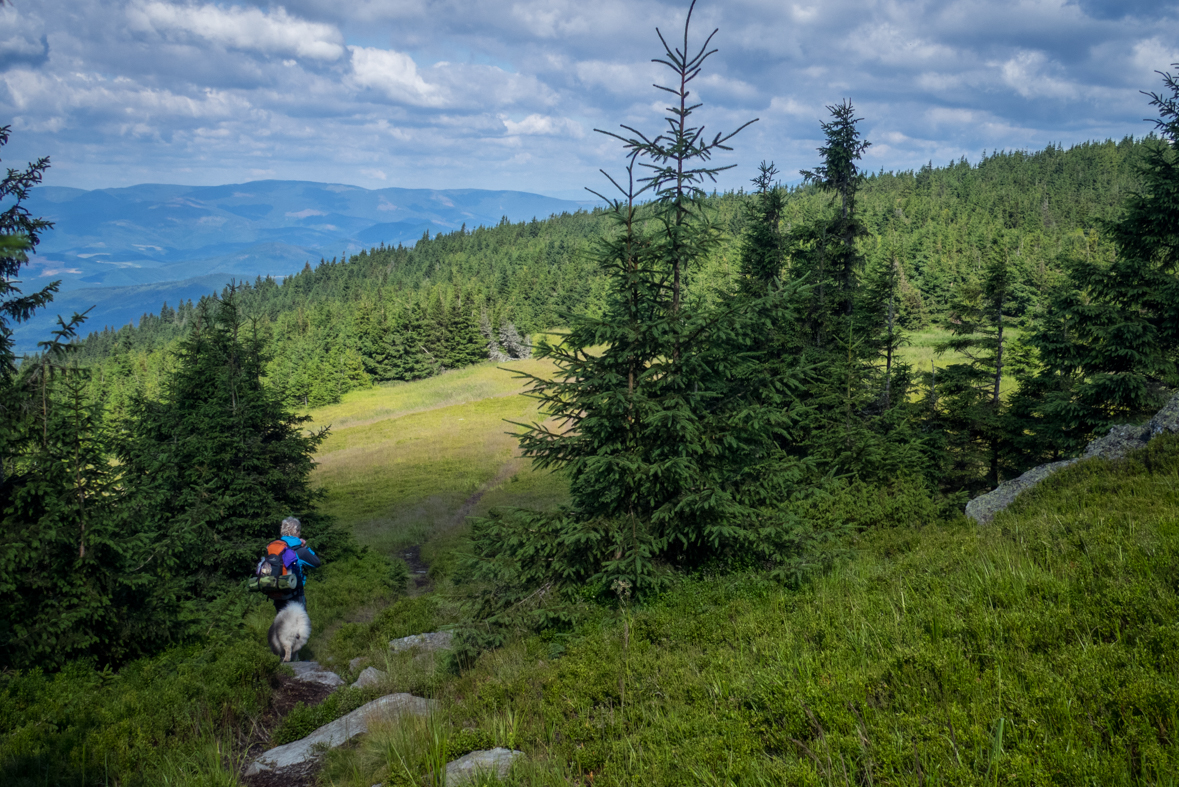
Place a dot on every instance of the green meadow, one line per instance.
(408, 462)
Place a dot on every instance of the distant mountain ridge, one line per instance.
(125, 250)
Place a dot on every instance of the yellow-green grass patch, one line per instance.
(470, 384)
(402, 479)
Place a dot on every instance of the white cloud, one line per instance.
(488, 93)
(1030, 74)
(543, 125)
(274, 32)
(394, 74)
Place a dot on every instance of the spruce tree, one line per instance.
(839, 173)
(1107, 350)
(466, 345)
(650, 440)
(973, 410)
(218, 461)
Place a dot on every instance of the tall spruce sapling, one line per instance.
(763, 248)
(840, 174)
(879, 313)
(974, 412)
(663, 463)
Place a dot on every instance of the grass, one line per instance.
(920, 354)
(407, 463)
(1040, 650)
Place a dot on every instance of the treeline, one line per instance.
(385, 314)
(404, 313)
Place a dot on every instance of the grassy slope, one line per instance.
(1041, 650)
(406, 463)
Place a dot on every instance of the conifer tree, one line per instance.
(650, 439)
(218, 461)
(839, 173)
(1107, 343)
(372, 340)
(973, 409)
(466, 343)
(408, 356)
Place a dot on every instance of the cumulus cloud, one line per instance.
(394, 74)
(543, 125)
(274, 32)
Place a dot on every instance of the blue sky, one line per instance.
(506, 94)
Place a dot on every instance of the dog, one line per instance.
(290, 630)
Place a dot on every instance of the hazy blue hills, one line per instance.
(126, 250)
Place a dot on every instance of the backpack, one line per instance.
(277, 573)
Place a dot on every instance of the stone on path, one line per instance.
(467, 768)
(311, 672)
(370, 677)
(337, 732)
(427, 643)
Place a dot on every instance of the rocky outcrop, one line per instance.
(1121, 440)
(371, 676)
(469, 767)
(312, 672)
(426, 643)
(337, 733)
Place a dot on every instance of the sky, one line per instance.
(506, 94)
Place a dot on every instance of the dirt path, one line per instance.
(287, 692)
(419, 572)
(464, 511)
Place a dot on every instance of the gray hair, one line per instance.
(291, 527)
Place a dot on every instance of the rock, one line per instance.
(311, 672)
(427, 643)
(467, 768)
(337, 733)
(355, 663)
(1121, 440)
(370, 677)
(982, 509)
(1165, 420)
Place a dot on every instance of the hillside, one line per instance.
(935, 222)
(1037, 651)
(127, 250)
(751, 566)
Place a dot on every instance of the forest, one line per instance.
(799, 299)
(729, 386)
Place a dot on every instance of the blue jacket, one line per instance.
(307, 557)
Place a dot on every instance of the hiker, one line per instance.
(292, 537)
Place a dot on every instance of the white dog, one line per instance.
(290, 630)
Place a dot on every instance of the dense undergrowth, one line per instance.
(1040, 650)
